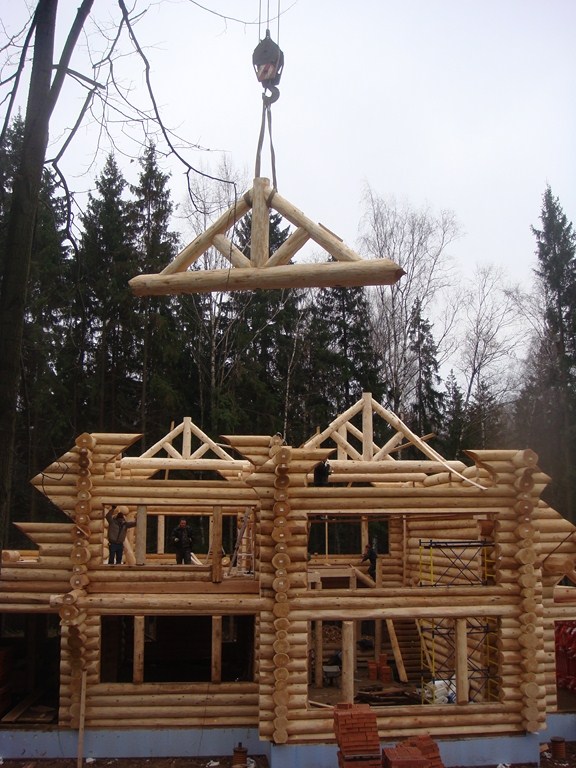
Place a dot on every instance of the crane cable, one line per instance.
(268, 62)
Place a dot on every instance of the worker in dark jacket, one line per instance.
(370, 555)
(117, 529)
(182, 540)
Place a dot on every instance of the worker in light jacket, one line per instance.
(117, 529)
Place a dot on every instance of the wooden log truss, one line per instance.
(262, 270)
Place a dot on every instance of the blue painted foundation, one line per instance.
(35, 744)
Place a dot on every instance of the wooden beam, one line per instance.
(141, 518)
(462, 681)
(217, 545)
(230, 251)
(348, 661)
(82, 722)
(166, 462)
(260, 237)
(216, 662)
(403, 677)
(289, 247)
(139, 640)
(324, 275)
(326, 239)
(200, 244)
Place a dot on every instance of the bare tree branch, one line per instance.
(167, 137)
(16, 77)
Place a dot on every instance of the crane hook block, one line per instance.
(268, 61)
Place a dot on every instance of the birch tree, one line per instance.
(418, 241)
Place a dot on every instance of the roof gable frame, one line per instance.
(262, 270)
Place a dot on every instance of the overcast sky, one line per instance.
(466, 105)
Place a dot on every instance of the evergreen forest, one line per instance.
(489, 366)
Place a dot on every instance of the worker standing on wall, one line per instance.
(117, 529)
(370, 555)
(182, 540)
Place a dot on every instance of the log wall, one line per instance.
(531, 549)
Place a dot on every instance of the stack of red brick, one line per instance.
(356, 732)
(416, 752)
(380, 670)
(403, 756)
(428, 748)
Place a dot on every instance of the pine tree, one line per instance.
(41, 416)
(160, 338)
(554, 385)
(556, 251)
(109, 327)
(426, 405)
(539, 419)
(484, 419)
(340, 363)
(453, 420)
(264, 328)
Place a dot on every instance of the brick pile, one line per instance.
(404, 756)
(428, 747)
(356, 732)
(380, 670)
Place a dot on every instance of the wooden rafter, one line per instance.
(208, 455)
(375, 461)
(262, 270)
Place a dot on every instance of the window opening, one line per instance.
(178, 649)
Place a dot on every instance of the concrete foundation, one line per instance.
(211, 742)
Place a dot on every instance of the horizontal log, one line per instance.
(427, 466)
(32, 576)
(395, 612)
(398, 479)
(193, 721)
(190, 464)
(160, 700)
(197, 604)
(155, 714)
(348, 275)
(516, 458)
(431, 719)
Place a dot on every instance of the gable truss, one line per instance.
(262, 271)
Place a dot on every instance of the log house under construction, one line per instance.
(453, 637)
(468, 589)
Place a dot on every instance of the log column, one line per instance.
(73, 619)
(281, 534)
(517, 564)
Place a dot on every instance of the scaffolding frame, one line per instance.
(438, 658)
(461, 555)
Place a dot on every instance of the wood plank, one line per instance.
(14, 714)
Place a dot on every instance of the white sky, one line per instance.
(465, 105)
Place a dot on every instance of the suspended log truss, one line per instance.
(262, 270)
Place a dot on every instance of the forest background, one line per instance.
(477, 365)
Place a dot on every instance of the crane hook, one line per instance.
(268, 61)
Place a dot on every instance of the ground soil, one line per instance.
(260, 761)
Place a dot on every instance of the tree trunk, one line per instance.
(42, 97)
(21, 222)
